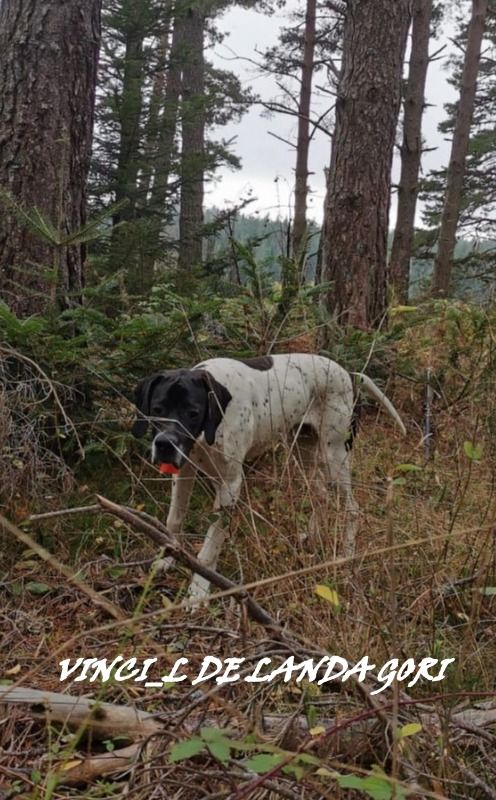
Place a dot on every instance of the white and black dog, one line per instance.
(223, 412)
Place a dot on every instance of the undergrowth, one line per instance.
(433, 598)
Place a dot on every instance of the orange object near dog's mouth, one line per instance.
(168, 469)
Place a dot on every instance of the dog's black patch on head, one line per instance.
(142, 397)
(179, 405)
(218, 399)
(262, 363)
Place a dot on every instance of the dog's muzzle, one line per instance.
(167, 449)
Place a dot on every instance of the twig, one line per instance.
(92, 768)
(21, 357)
(64, 512)
(478, 782)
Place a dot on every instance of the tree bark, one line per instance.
(459, 149)
(167, 130)
(303, 142)
(193, 144)
(123, 251)
(367, 108)
(151, 155)
(155, 109)
(48, 68)
(411, 149)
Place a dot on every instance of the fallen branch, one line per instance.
(104, 720)
(107, 720)
(159, 534)
(88, 770)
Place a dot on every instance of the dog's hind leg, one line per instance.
(335, 462)
(226, 497)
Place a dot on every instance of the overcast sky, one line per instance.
(267, 163)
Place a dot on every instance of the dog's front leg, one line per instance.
(182, 487)
(226, 498)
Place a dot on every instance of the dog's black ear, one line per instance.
(142, 395)
(218, 398)
(140, 427)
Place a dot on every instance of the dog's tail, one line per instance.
(364, 382)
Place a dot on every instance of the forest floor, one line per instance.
(423, 584)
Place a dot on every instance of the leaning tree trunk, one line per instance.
(367, 108)
(459, 148)
(193, 144)
(48, 67)
(411, 149)
(303, 142)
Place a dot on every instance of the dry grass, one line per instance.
(29, 467)
(428, 600)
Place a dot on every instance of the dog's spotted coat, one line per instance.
(255, 403)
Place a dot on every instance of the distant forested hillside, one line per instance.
(473, 273)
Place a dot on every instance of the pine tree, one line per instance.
(478, 203)
(48, 68)
(307, 47)
(461, 137)
(411, 148)
(158, 100)
(303, 142)
(359, 185)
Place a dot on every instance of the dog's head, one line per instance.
(179, 405)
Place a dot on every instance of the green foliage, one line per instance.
(374, 786)
(266, 757)
(479, 197)
(36, 587)
(222, 747)
(139, 117)
(473, 451)
(44, 229)
(213, 740)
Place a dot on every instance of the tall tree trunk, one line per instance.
(321, 250)
(411, 149)
(193, 143)
(459, 148)
(130, 134)
(155, 109)
(303, 143)
(167, 127)
(151, 154)
(48, 68)
(367, 108)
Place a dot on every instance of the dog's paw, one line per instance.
(198, 592)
